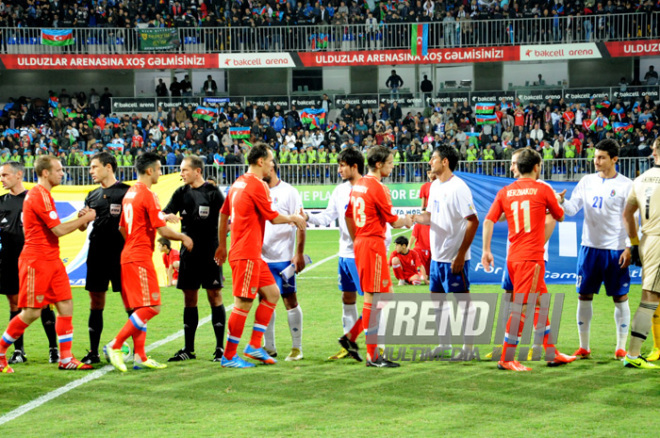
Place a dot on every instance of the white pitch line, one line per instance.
(24, 409)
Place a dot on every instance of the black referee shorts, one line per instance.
(197, 272)
(103, 267)
(9, 275)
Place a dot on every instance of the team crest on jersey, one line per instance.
(254, 290)
(385, 282)
(53, 215)
(115, 209)
(39, 298)
(155, 296)
(613, 193)
(204, 211)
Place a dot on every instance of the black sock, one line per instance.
(48, 321)
(190, 321)
(218, 317)
(95, 329)
(18, 344)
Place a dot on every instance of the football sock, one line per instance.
(511, 340)
(295, 316)
(269, 336)
(656, 328)
(190, 322)
(585, 312)
(261, 319)
(641, 325)
(48, 321)
(366, 315)
(218, 319)
(95, 325)
(18, 344)
(622, 321)
(350, 314)
(355, 331)
(64, 330)
(542, 327)
(235, 327)
(14, 331)
(137, 322)
(139, 339)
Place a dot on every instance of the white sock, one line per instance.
(622, 321)
(269, 335)
(349, 316)
(295, 316)
(584, 313)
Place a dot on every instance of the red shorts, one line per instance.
(425, 256)
(139, 284)
(527, 277)
(372, 266)
(42, 282)
(248, 276)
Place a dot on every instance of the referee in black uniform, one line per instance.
(198, 204)
(105, 244)
(12, 240)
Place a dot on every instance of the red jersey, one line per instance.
(370, 207)
(169, 259)
(137, 141)
(524, 204)
(39, 216)
(519, 118)
(424, 193)
(141, 217)
(410, 262)
(422, 233)
(248, 205)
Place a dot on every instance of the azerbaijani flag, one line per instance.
(419, 40)
(484, 119)
(485, 108)
(314, 117)
(622, 127)
(115, 147)
(239, 132)
(205, 113)
(56, 37)
(603, 105)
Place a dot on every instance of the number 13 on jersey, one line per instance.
(358, 211)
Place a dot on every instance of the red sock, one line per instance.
(139, 339)
(64, 330)
(136, 323)
(366, 315)
(261, 319)
(546, 333)
(235, 326)
(14, 331)
(355, 331)
(509, 346)
(398, 272)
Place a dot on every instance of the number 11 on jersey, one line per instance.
(527, 222)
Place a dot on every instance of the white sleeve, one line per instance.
(327, 216)
(575, 204)
(464, 202)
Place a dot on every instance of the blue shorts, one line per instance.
(443, 280)
(598, 266)
(349, 280)
(285, 288)
(507, 284)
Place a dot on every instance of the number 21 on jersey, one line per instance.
(358, 211)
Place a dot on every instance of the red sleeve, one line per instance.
(226, 206)
(496, 209)
(44, 207)
(261, 198)
(552, 205)
(384, 205)
(156, 217)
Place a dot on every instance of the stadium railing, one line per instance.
(323, 174)
(343, 37)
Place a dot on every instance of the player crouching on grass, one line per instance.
(406, 263)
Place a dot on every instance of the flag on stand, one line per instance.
(485, 108)
(205, 113)
(620, 128)
(313, 117)
(419, 40)
(56, 37)
(239, 132)
(483, 119)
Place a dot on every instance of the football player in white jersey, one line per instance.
(603, 257)
(351, 167)
(284, 245)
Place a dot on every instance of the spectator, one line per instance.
(161, 89)
(651, 76)
(394, 82)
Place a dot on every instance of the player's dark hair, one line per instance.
(165, 242)
(527, 159)
(15, 166)
(377, 154)
(352, 156)
(610, 146)
(145, 161)
(44, 162)
(401, 240)
(448, 152)
(106, 158)
(259, 150)
(195, 162)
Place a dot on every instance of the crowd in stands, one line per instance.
(457, 21)
(74, 126)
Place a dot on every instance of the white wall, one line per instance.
(520, 73)
(453, 73)
(337, 78)
(146, 81)
(199, 77)
(644, 64)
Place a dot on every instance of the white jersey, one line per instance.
(280, 240)
(450, 203)
(603, 200)
(336, 210)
